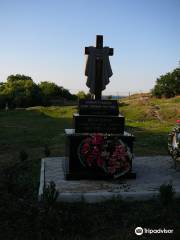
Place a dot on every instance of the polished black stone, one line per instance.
(73, 167)
(98, 107)
(98, 124)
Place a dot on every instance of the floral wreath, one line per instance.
(110, 155)
(174, 143)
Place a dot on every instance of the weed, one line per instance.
(50, 195)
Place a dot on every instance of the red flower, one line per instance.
(97, 139)
(111, 170)
(96, 151)
(85, 148)
(121, 149)
(90, 159)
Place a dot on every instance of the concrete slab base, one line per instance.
(151, 173)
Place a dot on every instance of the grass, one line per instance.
(150, 120)
(33, 128)
(30, 130)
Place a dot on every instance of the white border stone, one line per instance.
(42, 178)
(151, 173)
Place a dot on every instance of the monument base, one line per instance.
(97, 176)
(73, 167)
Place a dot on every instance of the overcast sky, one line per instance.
(45, 39)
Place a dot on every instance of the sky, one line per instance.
(45, 39)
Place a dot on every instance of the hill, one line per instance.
(150, 120)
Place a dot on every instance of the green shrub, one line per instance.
(168, 85)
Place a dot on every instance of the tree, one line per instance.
(66, 94)
(168, 85)
(20, 91)
(18, 77)
(51, 90)
(81, 95)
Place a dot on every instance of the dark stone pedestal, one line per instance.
(98, 124)
(98, 107)
(108, 159)
(74, 168)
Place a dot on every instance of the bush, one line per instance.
(50, 195)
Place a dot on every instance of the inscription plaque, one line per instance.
(98, 124)
(98, 107)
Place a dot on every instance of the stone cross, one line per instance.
(99, 67)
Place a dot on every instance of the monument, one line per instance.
(98, 147)
(98, 68)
